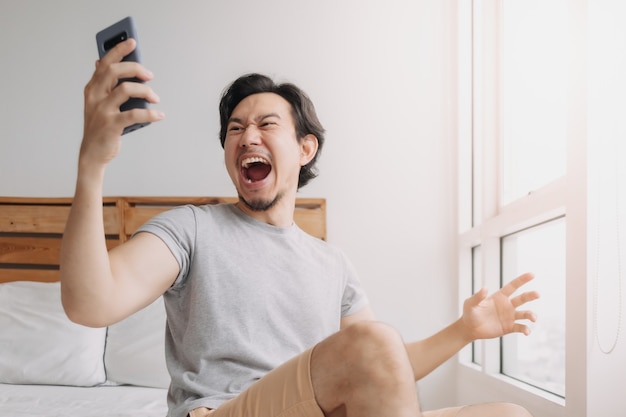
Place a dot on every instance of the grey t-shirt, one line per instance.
(249, 297)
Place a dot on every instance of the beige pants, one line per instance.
(286, 391)
(445, 412)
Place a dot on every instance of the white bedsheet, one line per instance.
(103, 401)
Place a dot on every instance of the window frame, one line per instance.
(478, 173)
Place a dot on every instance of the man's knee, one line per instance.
(369, 337)
(361, 364)
(365, 348)
(511, 410)
(514, 410)
(494, 410)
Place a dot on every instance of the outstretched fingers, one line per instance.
(516, 284)
(525, 315)
(524, 298)
(517, 326)
(520, 300)
(521, 328)
(492, 316)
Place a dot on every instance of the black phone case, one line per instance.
(107, 39)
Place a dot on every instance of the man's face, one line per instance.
(262, 153)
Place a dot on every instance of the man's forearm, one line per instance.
(426, 355)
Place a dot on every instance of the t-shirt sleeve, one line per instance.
(354, 296)
(177, 229)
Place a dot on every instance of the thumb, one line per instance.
(477, 298)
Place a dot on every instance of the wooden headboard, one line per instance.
(31, 228)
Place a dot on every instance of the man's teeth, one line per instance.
(249, 161)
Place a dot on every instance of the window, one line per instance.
(541, 187)
(517, 213)
(539, 360)
(533, 66)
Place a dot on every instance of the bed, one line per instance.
(50, 366)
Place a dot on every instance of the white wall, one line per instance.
(380, 73)
(606, 289)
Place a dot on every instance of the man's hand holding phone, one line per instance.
(106, 40)
(104, 95)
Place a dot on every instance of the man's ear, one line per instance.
(308, 149)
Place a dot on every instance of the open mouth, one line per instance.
(255, 169)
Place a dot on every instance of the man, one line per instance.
(263, 320)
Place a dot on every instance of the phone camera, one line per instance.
(120, 37)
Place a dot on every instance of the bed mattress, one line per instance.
(61, 401)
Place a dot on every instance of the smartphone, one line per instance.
(107, 39)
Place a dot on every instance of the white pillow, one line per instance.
(40, 345)
(135, 349)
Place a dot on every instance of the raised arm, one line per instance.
(99, 288)
(484, 317)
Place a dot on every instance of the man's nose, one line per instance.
(251, 136)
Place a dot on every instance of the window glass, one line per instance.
(538, 360)
(533, 74)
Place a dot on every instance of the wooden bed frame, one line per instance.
(31, 228)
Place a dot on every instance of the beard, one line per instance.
(260, 205)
